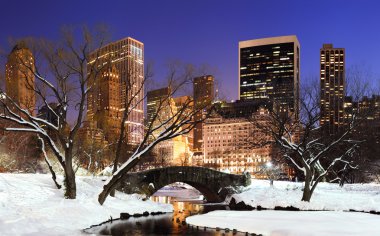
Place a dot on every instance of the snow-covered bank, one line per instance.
(358, 197)
(290, 223)
(30, 204)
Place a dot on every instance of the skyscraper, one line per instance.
(161, 108)
(270, 68)
(19, 76)
(187, 103)
(126, 59)
(203, 96)
(106, 102)
(332, 88)
(155, 99)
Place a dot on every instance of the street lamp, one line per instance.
(269, 164)
(269, 172)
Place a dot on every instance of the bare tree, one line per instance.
(134, 87)
(62, 78)
(306, 146)
(22, 150)
(162, 127)
(90, 153)
(363, 99)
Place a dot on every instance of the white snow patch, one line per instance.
(30, 204)
(292, 223)
(327, 196)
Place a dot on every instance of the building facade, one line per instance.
(368, 111)
(235, 141)
(161, 108)
(19, 77)
(332, 79)
(105, 100)
(203, 89)
(186, 102)
(230, 143)
(2, 111)
(269, 68)
(121, 70)
(155, 99)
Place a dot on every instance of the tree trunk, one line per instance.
(118, 148)
(117, 158)
(115, 180)
(69, 181)
(306, 196)
(306, 193)
(53, 175)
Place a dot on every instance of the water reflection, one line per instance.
(167, 224)
(183, 210)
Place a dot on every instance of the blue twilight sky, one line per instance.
(207, 31)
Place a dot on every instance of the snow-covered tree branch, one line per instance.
(165, 124)
(60, 81)
(306, 147)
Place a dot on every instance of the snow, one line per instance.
(327, 196)
(292, 223)
(30, 204)
(107, 171)
(180, 192)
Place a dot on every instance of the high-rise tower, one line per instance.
(269, 68)
(19, 76)
(105, 100)
(203, 96)
(332, 74)
(157, 99)
(126, 60)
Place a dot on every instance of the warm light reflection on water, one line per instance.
(167, 224)
(181, 210)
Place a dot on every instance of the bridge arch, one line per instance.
(211, 183)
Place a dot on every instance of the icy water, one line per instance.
(166, 224)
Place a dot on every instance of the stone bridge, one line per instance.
(214, 185)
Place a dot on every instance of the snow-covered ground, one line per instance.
(335, 221)
(30, 204)
(292, 223)
(359, 197)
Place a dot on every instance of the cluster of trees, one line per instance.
(19, 152)
(63, 78)
(317, 155)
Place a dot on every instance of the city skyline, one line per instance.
(217, 44)
(190, 117)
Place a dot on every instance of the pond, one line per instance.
(185, 201)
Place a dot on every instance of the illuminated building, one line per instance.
(371, 107)
(155, 99)
(19, 77)
(234, 140)
(124, 78)
(367, 108)
(203, 96)
(105, 100)
(2, 110)
(269, 68)
(162, 107)
(188, 103)
(332, 78)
